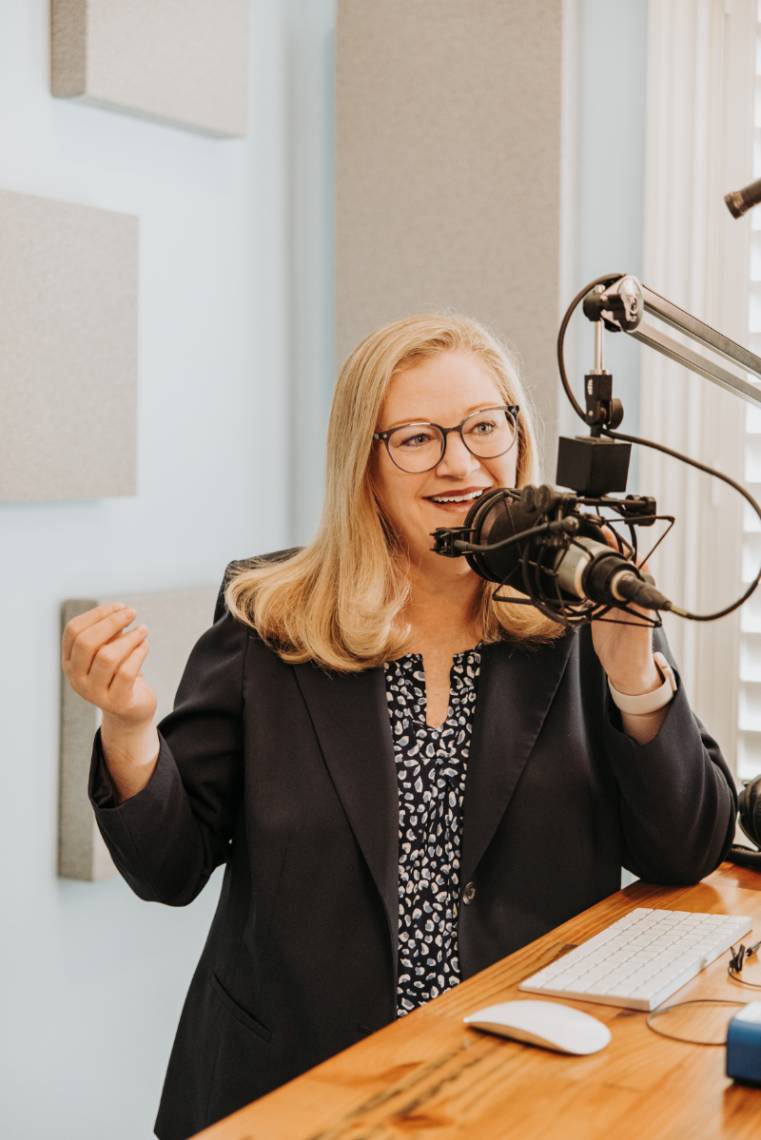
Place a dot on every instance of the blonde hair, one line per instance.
(339, 601)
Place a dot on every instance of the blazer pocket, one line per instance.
(240, 1014)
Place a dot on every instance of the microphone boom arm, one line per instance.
(621, 306)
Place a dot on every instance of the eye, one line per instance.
(409, 437)
(485, 425)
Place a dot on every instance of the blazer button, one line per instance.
(468, 893)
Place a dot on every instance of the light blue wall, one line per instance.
(310, 143)
(607, 194)
(92, 979)
(606, 183)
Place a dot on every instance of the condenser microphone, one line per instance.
(511, 539)
(593, 571)
(740, 201)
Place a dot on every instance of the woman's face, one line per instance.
(442, 389)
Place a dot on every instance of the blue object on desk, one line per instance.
(744, 1045)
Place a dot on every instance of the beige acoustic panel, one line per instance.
(175, 620)
(68, 365)
(184, 62)
(448, 170)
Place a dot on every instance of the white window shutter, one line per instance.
(700, 134)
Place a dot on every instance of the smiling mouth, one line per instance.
(466, 497)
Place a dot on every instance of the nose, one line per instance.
(456, 461)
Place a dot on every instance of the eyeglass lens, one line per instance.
(419, 447)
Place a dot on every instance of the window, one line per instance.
(702, 68)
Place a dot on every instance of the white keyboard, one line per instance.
(640, 960)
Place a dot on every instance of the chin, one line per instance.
(452, 567)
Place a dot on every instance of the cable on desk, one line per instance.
(737, 961)
(661, 1009)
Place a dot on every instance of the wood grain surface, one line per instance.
(428, 1075)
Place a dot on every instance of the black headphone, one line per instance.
(749, 812)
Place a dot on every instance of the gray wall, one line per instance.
(448, 124)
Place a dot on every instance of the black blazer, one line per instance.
(286, 774)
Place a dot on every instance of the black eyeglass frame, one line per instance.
(510, 409)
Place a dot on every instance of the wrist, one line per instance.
(131, 754)
(135, 741)
(637, 681)
(649, 700)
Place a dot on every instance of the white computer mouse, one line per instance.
(550, 1024)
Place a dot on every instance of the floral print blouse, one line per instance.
(431, 765)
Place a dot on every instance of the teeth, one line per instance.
(456, 498)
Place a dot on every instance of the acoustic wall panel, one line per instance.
(68, 365)
(184, 62)
(448, 170)
(175, 621)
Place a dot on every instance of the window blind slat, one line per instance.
(751, 556)
(750, 616)
(751, 521)
(753, 459)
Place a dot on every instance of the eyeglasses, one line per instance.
(420, 446)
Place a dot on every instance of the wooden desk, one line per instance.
(429, 1076)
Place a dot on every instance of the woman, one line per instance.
(405, 779)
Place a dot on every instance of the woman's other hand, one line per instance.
(102, 662)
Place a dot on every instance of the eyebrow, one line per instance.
(421, 419)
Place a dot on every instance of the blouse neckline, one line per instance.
(475, 649)
(407, 674)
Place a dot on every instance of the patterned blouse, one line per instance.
(431, 765)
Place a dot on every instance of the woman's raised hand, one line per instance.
(102, 663)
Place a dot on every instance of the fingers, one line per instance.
(102, 659)
(618, 542)
(111, 656)
(84, 635)
(613, 538)
(127, 673)
(83, 621)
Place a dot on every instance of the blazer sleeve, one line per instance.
(677, 798)
(168, 838)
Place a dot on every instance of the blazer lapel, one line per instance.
(516, 689)
(350, 717)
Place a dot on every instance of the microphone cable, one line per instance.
(606, 281)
